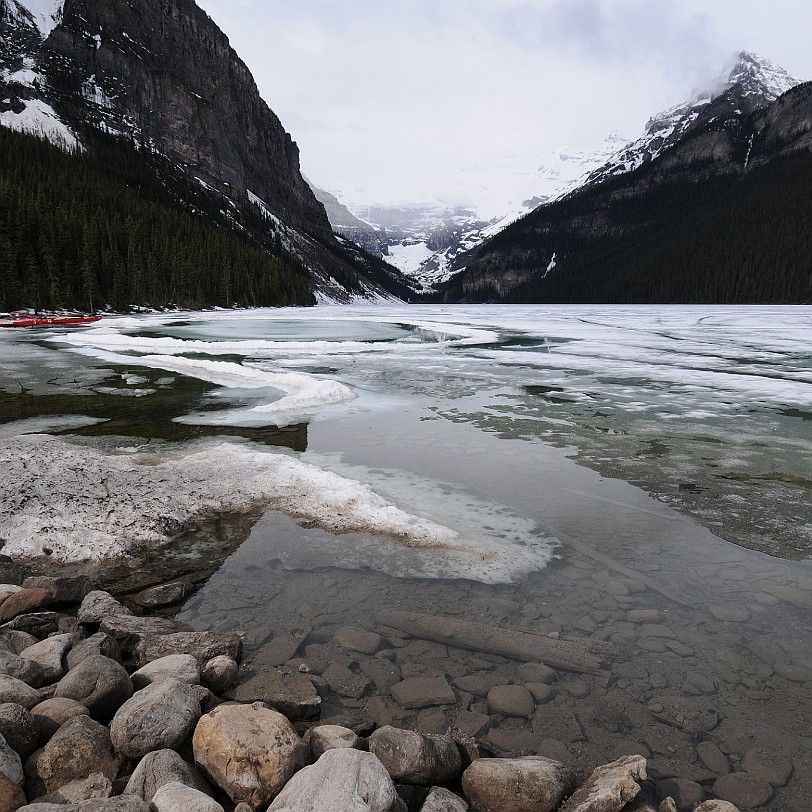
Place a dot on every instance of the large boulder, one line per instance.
(159, 768)
(16, 667)
(610, 787)
(48, 654)
(176, 797)
(51, 714)
(183, 667)
(415, 758)
(160, 716)
(99, 683)
(528, 784)
(249, 751)
(78, 749)
(342, 780)
(24, 602)
(17, 692)
(97, 605)
(95, 785)
(203, 646)
(19, 728)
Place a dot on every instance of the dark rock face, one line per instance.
(169, 76)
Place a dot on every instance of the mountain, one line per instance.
(712, 204)
(159, 77)
(424, 240)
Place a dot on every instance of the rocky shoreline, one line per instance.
(102, 709)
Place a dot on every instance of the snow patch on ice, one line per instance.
(75, 503)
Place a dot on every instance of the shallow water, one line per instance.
(476, 418)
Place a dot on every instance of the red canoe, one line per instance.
(51, 321)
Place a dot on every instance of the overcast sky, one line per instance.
(394, 101)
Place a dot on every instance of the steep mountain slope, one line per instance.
(161, 76)
(680, 223)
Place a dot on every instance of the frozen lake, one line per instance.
(572, 465)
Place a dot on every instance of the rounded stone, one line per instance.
(176, 797)
(51, 714)
(358, 640)
(767, 765)
(686, 794)
(11, 765)
(342, 779)
(159, 768)
(528, 784)
(182, 667)
(249, 751)
(329, 737)
(160, 716)
(716, 805)
(99, 643)
(99, 683)
(416, 758)
(511, 700)
(219, 673)
(743, 789)
(19, 728)
(713, 758)
(16, 667)
(17, 692)
(48, 654)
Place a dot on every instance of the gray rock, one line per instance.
(163, 767)
(203, 646)
(416, 758)
(39, 624)
(767, 765)
(422, 692)
(127, 630)
(291, 693)
(536, 672)
(164, 595)
(48, 654)
(686, 794)
(283, 647)
(219, 674)
(341, 780)
(51, 714)
(11, 765)
(176, 797)
(19, 728)
(99, 643)
(511, 700)
(610, 787)
(542, 693)
(713, 758)
(123, 803)
(478, 684)
(381, 673)
(17, 692)
(344, 682)
(329, 737)
(78, 749)
(358, 640)
(249, 751)
(643, 616)
(716, 805)
(182, 667)
(729, 613)
(99, 683)
(743, 789)
(474, 724)
(443, 800)
(82, 789)
(97, 605)
(16, 641)
(160, 716)
(64, 588)
(529, 784)
(17, 667)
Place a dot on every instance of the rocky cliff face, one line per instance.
(163, 73)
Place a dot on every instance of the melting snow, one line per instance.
(46, 14)
(39, 118)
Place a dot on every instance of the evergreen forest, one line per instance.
(109, 227)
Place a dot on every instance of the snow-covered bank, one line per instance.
(77, 504)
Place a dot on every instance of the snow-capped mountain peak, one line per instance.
(757, 82)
